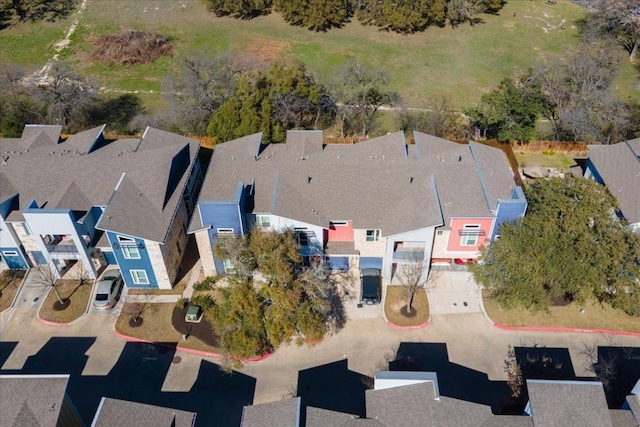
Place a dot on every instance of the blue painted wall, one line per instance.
(144, 263)
(220, 215)
(39, 257)
(509, 210)
(590, 167)
(16, 262)
(90, 220)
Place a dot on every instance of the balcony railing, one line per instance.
(408, 254)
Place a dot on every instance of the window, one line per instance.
(140, 277)
(10, 253)
(439, 232)
(130, 252)
(27, 229)
(339, 223)
(301, 234)
(373, 235)
(129, 247)
(228, 266)
(263, 221)
(470, 234)
(224, 232)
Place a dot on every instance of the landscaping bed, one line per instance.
(595, 316)
(395, 303)
(157, 327)
(75, 294)
(178, 289)
(9, 284)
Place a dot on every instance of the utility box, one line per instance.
(194, 314)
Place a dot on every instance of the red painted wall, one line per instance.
(458, 224)
(341, 233)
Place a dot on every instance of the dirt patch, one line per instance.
(9, 283)
(266, 49)
(129, 47)
(75, 295)
(395, 307)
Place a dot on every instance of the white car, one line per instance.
(108, 289)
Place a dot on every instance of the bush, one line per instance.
(203, 301)
(207, 283)
(548, 152)
(130, 47)
(182, 303)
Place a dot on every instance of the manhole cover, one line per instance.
(176, 360)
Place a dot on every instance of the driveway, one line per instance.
(453, 292)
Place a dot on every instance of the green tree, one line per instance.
(508, 112)
(316, 15)
(238, 317)
(36, 10)
(568, 246)
(284, 97)
(276, 254)
(244, 9)
(402, 16)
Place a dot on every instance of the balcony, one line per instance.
(404, 255)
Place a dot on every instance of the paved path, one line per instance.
(453, 292)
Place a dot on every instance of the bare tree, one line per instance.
(135, 306)
(513, 370)
(367, 92)
(48, 277)
(622, 18)
(413, 276)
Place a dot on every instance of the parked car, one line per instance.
(108, 289)
(370, 286)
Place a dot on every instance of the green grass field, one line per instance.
(463, 62)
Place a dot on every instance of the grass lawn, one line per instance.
(463, 62)
(559, 161)
(9, 283)
(395, 300)
(157, 327)
(595, 317)
(76, 292)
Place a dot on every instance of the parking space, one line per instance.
(348, 285)
(452, 292)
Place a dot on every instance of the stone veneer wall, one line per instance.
(368, 249)
(28, 241)
(206, 253)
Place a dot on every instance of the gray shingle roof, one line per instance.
(619, 167)
(622, 418)
(31, 400)
(634, 405)
(568, 404)
(116, 412)
(374, 183)
(281, 413)
(317, 417)
(59, 175)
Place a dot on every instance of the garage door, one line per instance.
(370, 262)
(338, 263)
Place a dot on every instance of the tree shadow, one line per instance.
(455, 381)
(543, 363)
(619, 369)
(333, 386)
(138, 376)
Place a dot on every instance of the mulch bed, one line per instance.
(9, 282)
(203, 331)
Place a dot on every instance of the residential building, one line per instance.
(37, 400)
(376, 204)
(618, 167)
(413, 399)
(89, 200)
(116, 412)
(282, 413)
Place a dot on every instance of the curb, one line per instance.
(188, 350)
(552, 329)
(49, 322)
(406, 328)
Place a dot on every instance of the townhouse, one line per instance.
(375, 204)
(97, 202)
(618, 167)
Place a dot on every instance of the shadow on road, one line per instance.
(138, 376)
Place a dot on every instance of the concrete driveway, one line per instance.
(453, 292)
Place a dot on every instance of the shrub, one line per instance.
(207, 283)
(182, 303)
(203, 301)
(548, 152)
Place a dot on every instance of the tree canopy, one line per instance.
(244, 9)
(568, 246)
(258, 312)
(402, 16)
(316, 15)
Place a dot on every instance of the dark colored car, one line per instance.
(370, 286)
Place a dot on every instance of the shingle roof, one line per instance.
(634, 405)
(622, 418)
(281, 413)
(303, 181)
(568, 403)
(317, 417)
(116, 412)
(58, 175)
(31, 400)
(619, 167)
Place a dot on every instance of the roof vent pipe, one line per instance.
(411, 180)
(308, 180)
